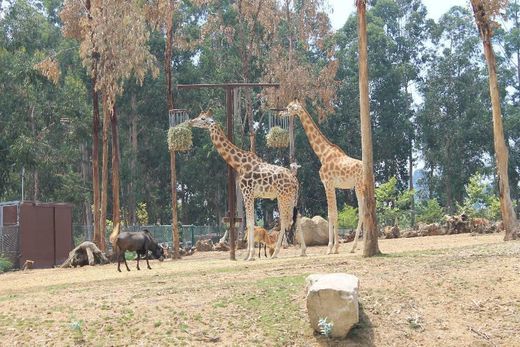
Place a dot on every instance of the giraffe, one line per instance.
(338, 170)
(257, 179)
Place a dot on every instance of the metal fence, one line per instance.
(189, 234)
(9, 242)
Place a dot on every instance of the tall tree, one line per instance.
(453, 112)
(370, 233)
(485, 12)
(111, 23)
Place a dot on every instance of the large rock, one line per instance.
(335, 297)
(315, 231)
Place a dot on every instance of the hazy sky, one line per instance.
(436, 8)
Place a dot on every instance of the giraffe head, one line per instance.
(294, 108)
(204, 120)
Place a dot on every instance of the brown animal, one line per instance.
(265, 238)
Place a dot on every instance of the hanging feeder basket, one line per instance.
(179, 134)
(278, 136)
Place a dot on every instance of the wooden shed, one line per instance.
(41, 232)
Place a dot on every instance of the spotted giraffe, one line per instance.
(338, 170)
(257, 179)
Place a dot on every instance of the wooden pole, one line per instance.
(231, 176)
(370, 233)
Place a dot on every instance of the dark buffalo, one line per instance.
(140, 242)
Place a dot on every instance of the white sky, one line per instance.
(343, 8)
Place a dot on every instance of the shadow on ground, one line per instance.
(362, 334)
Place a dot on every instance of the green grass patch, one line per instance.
(275, 308)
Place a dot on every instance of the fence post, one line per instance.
(192, 235)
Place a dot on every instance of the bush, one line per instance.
(348, 217)
(5, 265)
(429, 211)
(393, 206)
(480, 201)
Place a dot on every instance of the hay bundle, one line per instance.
(278, 137)
(179, 138)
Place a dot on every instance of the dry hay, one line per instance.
(278, 137)
(180, 138)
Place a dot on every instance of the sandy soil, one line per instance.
(458, 290)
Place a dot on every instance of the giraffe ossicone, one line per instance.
(338, 170)
(257, 179)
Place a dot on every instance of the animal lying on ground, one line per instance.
(268, 240)
(140, 242)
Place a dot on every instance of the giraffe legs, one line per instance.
(250, 219)
(333, 219)
(302, 239)
(285, 210)
(360, 199)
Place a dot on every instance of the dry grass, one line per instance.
(442, 290)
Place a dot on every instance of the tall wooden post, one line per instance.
(370, 233)
(231, 176)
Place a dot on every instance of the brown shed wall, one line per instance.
(45, 233)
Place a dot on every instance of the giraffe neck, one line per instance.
(231, 154)
(319, 143)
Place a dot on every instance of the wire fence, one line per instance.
(188, 234)
(9, 242)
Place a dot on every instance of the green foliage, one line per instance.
(429, 211)
(5, 265)
(480, 201)
(348, 217)
(142, 213)
(392, 205)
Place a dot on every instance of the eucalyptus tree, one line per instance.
(486, 13)
(453, 131)
(100, 27)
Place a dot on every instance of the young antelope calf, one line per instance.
(265, 238)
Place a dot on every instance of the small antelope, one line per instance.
(268, 239)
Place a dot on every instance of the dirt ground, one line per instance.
(457, 290)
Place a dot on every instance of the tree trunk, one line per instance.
(35, 171)
(85, 178)
(116, 214)
(169, 97)
(501, 152)
(370, 232)
(132, 201)
(95, 141)
(104, 176)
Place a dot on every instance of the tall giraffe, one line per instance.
(338, 170)
(257, 179)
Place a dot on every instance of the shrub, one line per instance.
(348, 217)
(480, 200)
(392, 205)
(429, 211)
(5, 265)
